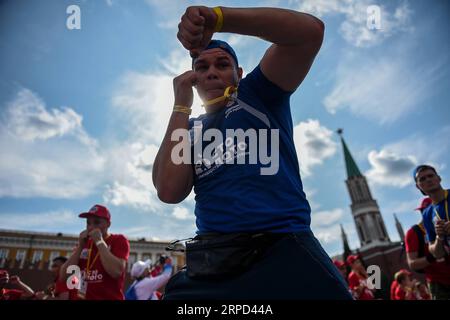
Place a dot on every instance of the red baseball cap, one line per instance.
(351, 259)
(425, 203)
(339, 264)
(401, 272)
(97, 211)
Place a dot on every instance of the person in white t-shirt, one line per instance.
(144, 286)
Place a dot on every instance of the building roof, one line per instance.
(61, 236)
(350, 164)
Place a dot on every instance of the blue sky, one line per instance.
(82, 112)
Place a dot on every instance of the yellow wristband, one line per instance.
(182, 109)
(219, 22)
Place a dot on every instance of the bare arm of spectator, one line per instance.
(28, 292)
(163, 278)
(416, 263)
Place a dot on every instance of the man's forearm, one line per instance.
(279, 26)
(418, 264)
(112, 265)
(172, 181)
(437, 249)
(28, 291)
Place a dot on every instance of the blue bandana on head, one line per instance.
(221, 45)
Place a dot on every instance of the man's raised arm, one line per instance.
(296, 37)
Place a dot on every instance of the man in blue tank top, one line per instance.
(240, 158)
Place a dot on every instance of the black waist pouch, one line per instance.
(219, 256)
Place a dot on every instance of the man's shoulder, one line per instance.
(411, 233)
(255, 75)
(118, 238)
(258, 80)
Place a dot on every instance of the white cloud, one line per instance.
(354, 13)
(389, 168)
(323, 7)
(48, 153)
(28, 119)
(314, 144)
(143, 102)
(326, 227)
(421, 147)
(119, 194)
(326, 218)
(170, 11)
(402, 207)
(43, 221)
(181, 213)
(383, 90)
(130, 177)
(328, 235)
(393, 164)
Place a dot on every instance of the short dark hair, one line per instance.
(422, 167)
(61, 259)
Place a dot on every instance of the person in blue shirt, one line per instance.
(435, 220)
(240, 159)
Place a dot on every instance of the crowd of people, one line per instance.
(403, 287)
(249, 216)
(101, 259)
(427, 249)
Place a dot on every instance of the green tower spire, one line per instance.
(352, 168)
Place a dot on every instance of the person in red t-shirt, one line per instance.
(341, 267)
(406, 286)
(420, 259)
(357, 279)
(13, 294)
(58, 290)
(101, 257)
(394, 286)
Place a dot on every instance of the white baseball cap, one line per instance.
(139, 267)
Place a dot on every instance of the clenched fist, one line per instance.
(82, 238)
(182, 88)
(95, 235)
(196, 28)
(440, 228)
